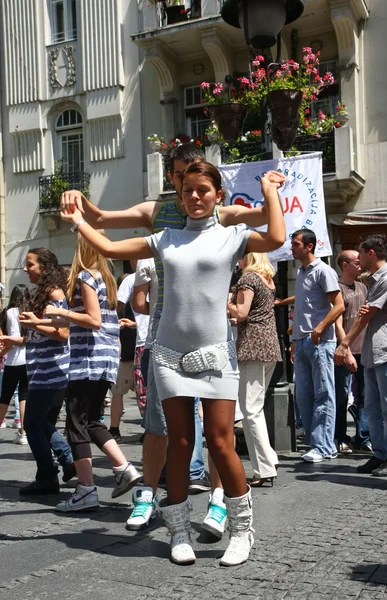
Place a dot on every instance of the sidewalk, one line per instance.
(320, 534)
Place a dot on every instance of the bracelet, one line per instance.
(67, 314)
(76, 225)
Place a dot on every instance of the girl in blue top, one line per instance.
(94, 360)
(47, 360)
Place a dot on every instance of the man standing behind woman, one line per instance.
(258, 353)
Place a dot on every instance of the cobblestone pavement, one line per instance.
(320, 534)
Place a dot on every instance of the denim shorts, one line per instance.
(154, 418)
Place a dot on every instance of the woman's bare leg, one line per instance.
(84, 471)
(219, 432)
(179, 414)
(116, 410)
(114, 453)
(22, 408)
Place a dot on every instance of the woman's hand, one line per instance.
(124, 322)
(54, 311)
(71, 217)
(272, 179)
(6, 343)
(28, 318)
(70, 201)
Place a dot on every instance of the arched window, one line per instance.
(69, 131)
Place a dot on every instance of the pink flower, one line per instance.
(328, 78)
(204, 85)
(307, 49)
(244, 80)
(321, 115)
(295, 65)
(218, 88)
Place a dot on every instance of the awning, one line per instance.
(367, 217)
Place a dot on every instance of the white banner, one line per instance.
(302, 196)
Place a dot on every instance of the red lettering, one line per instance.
(241, 202)
(295, 204)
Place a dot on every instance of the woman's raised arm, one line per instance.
(126, 249)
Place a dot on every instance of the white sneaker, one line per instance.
(84, 498)
(16, 424)
(124, 480)
(215, 520)
(313, 456)
(144, 509)
(20, 438)
(3, 424)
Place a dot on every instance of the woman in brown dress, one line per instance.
(258, 352)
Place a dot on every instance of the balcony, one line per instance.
(51, 187)
(341, 181)
(325, 144)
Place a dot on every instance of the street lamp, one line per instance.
(261, 20)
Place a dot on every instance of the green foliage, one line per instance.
(53, 189)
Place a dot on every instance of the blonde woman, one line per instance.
(94, 360)
(258, 352)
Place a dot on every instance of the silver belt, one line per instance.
(210, 358)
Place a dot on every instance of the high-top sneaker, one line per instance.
(216, 516)
(83, 499)
(144, 509)
(176, 517)
(240, 520)
(124, 479)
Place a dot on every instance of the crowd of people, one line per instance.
(198, 351)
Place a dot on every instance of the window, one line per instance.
(70, 141)
(329, 96)
(63, 20)
(196, 118)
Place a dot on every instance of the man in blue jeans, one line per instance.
(373, 258)
(318, 303)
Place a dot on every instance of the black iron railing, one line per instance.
(243, 152)
(325, 144)
(51, 187)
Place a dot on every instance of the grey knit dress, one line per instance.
(198, 263)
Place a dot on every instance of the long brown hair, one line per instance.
(86, 258)
(53, 278)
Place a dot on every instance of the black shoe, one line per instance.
(380, 471)
(40, 488)
(115, 432)
(200, 485)
(69, 471)
(370, 465)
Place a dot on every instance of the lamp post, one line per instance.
(262, 22)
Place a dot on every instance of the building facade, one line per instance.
(71, 106)
(85, 82)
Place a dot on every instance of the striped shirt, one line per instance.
(169, 216)
(94, 354)
(47, 360)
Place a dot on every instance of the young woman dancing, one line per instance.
(194, 353)
(94, 360)
(15, 372)
(47, 359)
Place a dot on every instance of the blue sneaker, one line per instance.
(145, 508)
(215, 520)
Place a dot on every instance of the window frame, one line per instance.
(62, 133)
(69, 17)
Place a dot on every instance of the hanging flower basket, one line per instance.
(284, 106)
(229, 118)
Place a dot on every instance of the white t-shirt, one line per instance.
(124, 295)
(17, 355)
(146, 273)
